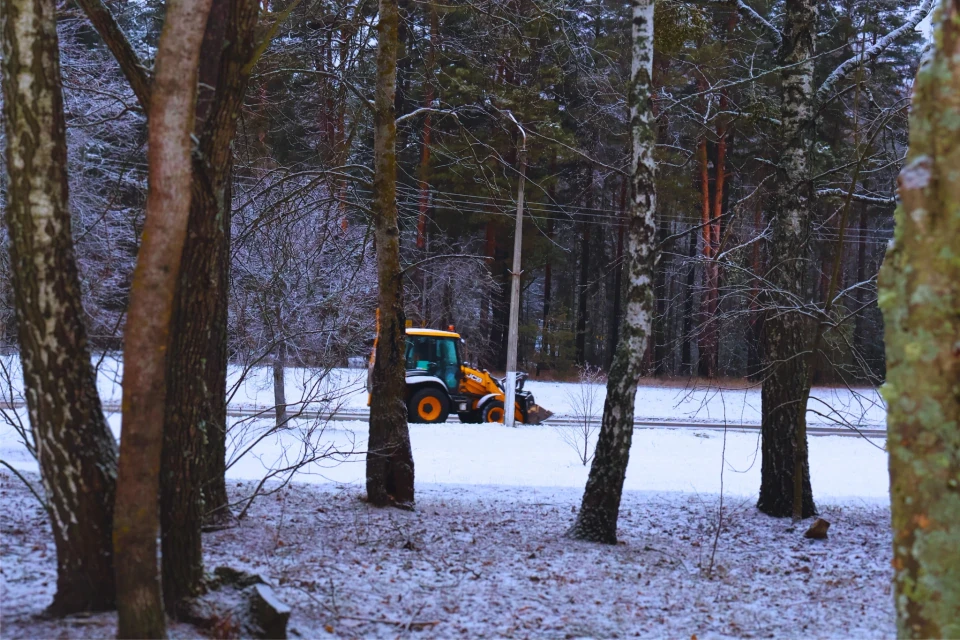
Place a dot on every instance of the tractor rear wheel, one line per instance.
(492, 411)
(429, 406)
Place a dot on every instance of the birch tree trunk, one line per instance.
(389, 456)
(920, 299)
(787, 331)
(75, 449)
(597, 519)
(194, 446)
(147, 339)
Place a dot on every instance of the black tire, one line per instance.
(470, 417)
(428, 406)
(492, 411)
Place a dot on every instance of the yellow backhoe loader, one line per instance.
(439, 382)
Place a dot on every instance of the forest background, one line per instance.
(303, 282)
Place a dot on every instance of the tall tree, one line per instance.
(787, 329)
(147, 338)
(389, 455)
(599, 510)
(920, 299)
(195, 420)
(75, 449)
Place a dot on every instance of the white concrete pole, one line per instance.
(510, 392)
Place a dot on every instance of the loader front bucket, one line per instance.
(537, 414)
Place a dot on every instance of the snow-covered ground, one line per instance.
(484, 556)
(841, 468)
(483, 562)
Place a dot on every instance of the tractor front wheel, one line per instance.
(493, 411)
(429, 406)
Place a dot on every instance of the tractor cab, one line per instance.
(435, 353)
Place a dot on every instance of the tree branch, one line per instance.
(859, 197)
(450, 256)
(872, 52)
(116, 40)
(27, 483)
(759, 20)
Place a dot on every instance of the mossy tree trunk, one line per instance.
(389, 455)
(147, 336)
(920, 299)
(599, 510)
(75, 449)
(787, 330)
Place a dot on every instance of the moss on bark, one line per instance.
(920, 299)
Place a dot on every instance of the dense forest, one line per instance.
(301, 179)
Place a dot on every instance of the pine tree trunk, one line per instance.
(705, 348)
(599, 510)
(920, 298)
(787, 332)
(76, 452)
(193, 460)
(152, 296)
(390, 479)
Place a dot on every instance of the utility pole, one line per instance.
(514, 326)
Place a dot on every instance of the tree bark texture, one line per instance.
(279, 382)
(194, 449)
(389, 456)
(147, 338)
(599, 510)
(920, 299)
(787, 331)
(76, 452)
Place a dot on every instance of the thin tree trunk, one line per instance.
(424, 186)
(859, 294)
(76, 452)
(756, 317)
(279, 383)
(920, 298)
(152, 295)
(787, 332)
(712, 328)
(194, 451)
(390, 472)
(686, 334)
(584, 279)
(597, 519)
(705, 348)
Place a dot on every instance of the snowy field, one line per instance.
(344, 390)
(841, 468)
(491, 562)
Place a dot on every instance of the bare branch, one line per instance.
(872, 52)
(116, 40)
